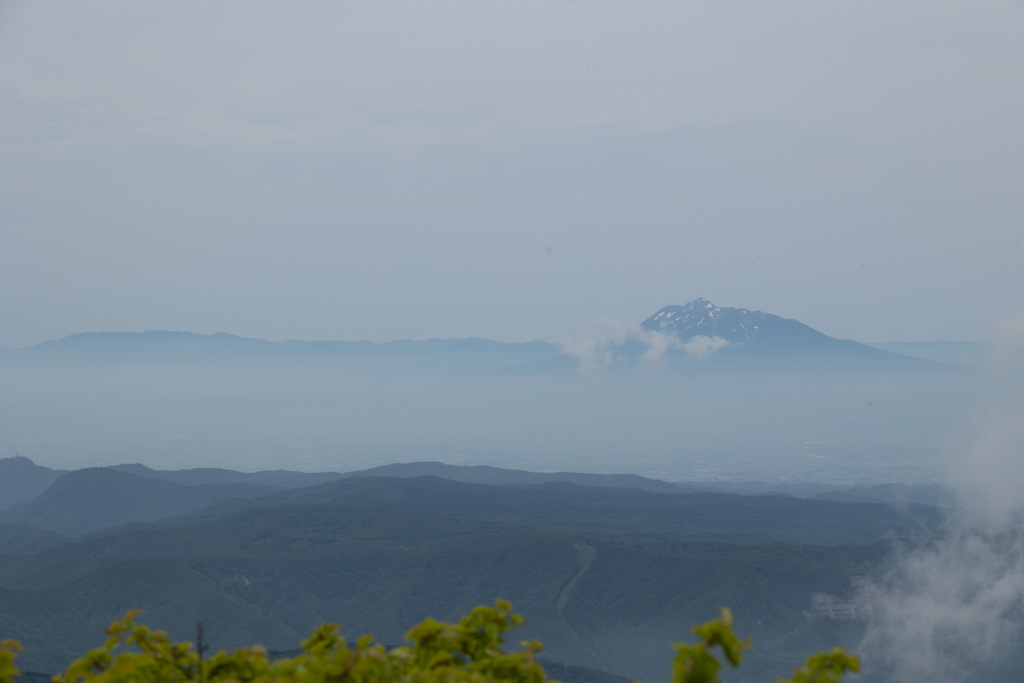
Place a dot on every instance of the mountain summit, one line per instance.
(738, 337)
(738, 326)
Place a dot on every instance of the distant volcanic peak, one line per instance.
(696, 312)
(700, 317)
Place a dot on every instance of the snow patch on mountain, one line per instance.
(701, 332)
(701, 318)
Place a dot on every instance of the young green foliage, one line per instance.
(695, 663)
(467, 652)
(8, 671)
(826, 667)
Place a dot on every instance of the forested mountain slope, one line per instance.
(21, 480)
(95, 498)
(613, 512)
(607, 578)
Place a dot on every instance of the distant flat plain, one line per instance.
(252, 413)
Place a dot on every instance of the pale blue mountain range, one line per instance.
(696, 335)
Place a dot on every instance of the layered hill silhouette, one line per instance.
(21, 480)
(607, 577)
(269, 479)
(90, 499)
(485, 474)
(96, 498)
(85, 500)
(609, 570)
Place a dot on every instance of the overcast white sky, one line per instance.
(508, 169)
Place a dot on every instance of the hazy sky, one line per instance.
(510, 169)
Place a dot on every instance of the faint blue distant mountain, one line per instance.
(958, 352)
(167, 346)
(742, 328)
(696, 337)
(702, 334)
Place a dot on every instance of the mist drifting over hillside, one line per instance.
(953, 609)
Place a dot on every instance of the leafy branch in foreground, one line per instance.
(7, 669)
(467, 652)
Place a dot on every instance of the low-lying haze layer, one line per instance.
(322, 416)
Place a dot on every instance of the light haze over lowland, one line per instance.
(508, 170)
(698, 393)
(522, 170)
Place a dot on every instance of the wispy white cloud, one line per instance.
(700, 347)
(948, 608)
(658, 343)
(594, 345)
(954, 604)
(597, 346)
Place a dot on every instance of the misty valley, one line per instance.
(617, 490)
